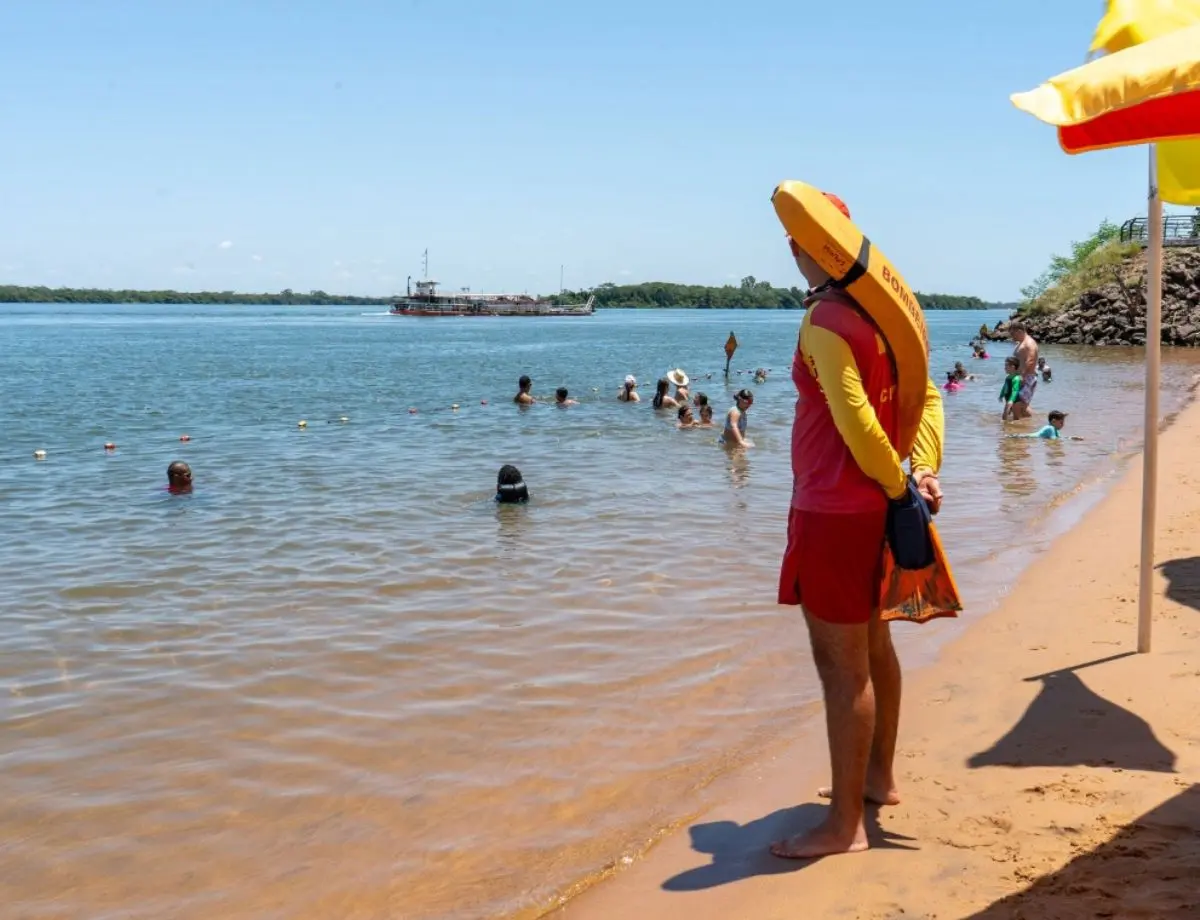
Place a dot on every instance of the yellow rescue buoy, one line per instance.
(822, 230)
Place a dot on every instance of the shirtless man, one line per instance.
(524, 397)
(846, 468)
(1026, 354)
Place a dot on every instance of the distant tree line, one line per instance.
(10, 293)
(751, 294)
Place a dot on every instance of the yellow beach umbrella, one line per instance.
(1129, 23)
(1144, 94)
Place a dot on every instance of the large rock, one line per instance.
(1115, 313)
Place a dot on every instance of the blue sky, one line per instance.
(261, 145)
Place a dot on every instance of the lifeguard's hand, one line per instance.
(930, 490)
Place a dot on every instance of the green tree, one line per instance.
(1062, 266)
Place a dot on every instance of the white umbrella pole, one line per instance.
(1154, 263)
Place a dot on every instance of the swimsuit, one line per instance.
(741, 429)
(1010, 392)
(1028, 385)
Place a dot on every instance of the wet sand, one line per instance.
(1047, 770)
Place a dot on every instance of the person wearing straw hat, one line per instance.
(846, 472)
(680, 381)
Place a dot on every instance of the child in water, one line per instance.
(1011, 388)
(562, 398)
(952, 385)
(706, 413)
(1045, 371)
(510, 486)
(980, 352)
(1053, 431)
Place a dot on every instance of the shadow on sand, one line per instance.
(1150, 869)
(1183, 581)
(740, 851)
(1069, 725)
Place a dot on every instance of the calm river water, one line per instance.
(338, 680)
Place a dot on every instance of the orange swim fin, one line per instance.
(922, 595)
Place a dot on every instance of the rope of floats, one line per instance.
(111, 447)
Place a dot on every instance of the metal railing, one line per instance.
(1178, 230)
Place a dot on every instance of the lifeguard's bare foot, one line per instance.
(876, 795)
(822, 840)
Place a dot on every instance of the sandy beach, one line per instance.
(1047, 770)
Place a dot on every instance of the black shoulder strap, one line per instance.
(858, 269)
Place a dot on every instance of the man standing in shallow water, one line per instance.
(845, 469)
(1026, 354)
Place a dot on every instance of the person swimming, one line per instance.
(706, 414)
(980, 352)
(628, 391)
(563, 399)
(524, 397)
(662, 398)
(681, 382)
(1045, 370)
(734, 433)
(700, 400)
(510, 486)
(686, 419)
(960, 372)
(179, 478)
(952, 385)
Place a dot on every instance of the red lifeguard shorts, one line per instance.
(833, 565)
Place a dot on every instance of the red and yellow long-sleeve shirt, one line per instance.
(844, 457)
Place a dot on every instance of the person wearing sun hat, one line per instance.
(680, 381)
(846, 473)
(628, 391)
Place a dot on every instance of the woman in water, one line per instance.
(734, 434)
(662, 399)
(681, 382)
(510, 486)
(628, 391)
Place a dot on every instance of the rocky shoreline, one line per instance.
(1115, 313)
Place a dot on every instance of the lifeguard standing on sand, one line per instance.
(847, 466)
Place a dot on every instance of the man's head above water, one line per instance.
(179, 477)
